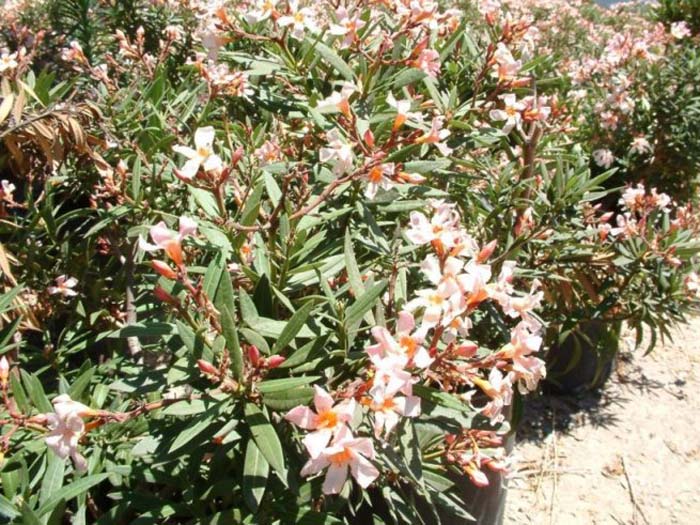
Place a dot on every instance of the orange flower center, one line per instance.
(375, 175)
(409, 345)
(341, 458)
(327, 419)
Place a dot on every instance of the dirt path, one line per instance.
(629, 455)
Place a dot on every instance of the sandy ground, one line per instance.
(627, 455)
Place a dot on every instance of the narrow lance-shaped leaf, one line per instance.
(234, 348)
(291, 329)
(255, 472)
(266, 439)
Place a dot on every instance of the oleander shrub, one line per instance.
(294, 262)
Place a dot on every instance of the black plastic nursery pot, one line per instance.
(585, 359)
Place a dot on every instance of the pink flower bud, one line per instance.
(237, 155)
(163, 269)
(466, 349)
(207, 368)
(164, 296)
(254, 356)
(369, 138)
(606, 216)
(487, 251)
(275, 360)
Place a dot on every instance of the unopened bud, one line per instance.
(163, 269)
(207, 368)
(4, 370)
(487, 251)
(606, 216)
(274, 361)
(237, 155)
(254, 356)
(411, 178)
(369, 138)
(164, 296)
(467, 349)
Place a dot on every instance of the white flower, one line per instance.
(202, 156)
(300, 19)
(66, 426)
(511, 112)
(262, 11)
(64, 286)
(338, 153)
(8, 62)
(603, 158)
(680, 30)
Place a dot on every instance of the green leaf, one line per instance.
(293, 326)
(70, 491)
(53, 477)
(288, 383)
(7, 509)
(266, 439)
(305, 353)
(255, 472)
(190, 432)
(334, 60)
(364, 304)
(287, 399)
(234, 348)
(36, 392)
(354, 276)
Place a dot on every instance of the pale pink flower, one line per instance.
(64, 286)
(429, 62)
(262, 10)
(345, 452)
(8, 62)
(379, 177)
(327, 420)
(169, 240)
(499, 388)
(511, 112)
(390, 371)
(338, 153)
(387, 407)
(406, 342)
(603, 158)
(436, 136)
(680, 30)
(338, 100)
(506, 67)
(640, 146)
(269, 152)
(403, 111)
(300, 19)
(7, 190)
(347, 26)
(202, 156)
(66, 426)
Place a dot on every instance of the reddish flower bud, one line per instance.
(207, 368)
(237, 155)
(275, 360)
(163, 269)
(466, 349)
(164, 296)
(369, 138)
(254, 356)
(487, 251)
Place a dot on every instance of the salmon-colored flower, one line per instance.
(168, 240)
